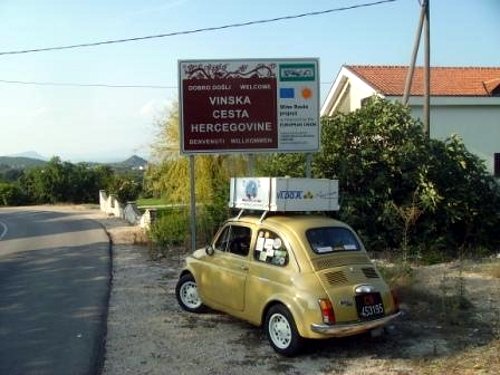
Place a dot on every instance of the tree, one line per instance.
(59, 181)
(377, 153)
(386, 166)
(169, 176)
(45, 184)
(470, 206)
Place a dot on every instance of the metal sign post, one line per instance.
(193, 202)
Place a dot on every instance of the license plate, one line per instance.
(370, 306)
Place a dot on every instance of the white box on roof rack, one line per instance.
(284, 194)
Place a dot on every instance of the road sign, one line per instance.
(257, 105)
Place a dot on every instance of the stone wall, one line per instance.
(129, 211)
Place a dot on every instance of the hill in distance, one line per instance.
(30, 155)
(23, 162)
(133, 162)
(20, 162)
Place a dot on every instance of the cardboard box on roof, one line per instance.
(284, 194)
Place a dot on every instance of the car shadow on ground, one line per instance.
(422, 332)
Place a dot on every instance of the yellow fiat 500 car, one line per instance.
(297, 275)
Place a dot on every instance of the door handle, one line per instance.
(244, 268)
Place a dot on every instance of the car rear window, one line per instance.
(332, 239)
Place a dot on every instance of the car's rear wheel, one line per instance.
(186, 292)
(282, 331)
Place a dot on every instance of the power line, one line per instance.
(72, 84)
(200, 30)
(69, 84)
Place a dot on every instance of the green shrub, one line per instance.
(171, 229)
(209, 220)
(126, 189)
(11, 195)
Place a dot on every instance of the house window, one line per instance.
(496, 165)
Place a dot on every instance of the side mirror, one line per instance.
(209, 250)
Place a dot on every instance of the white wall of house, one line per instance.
(346, 94)
(475, 119)
(477, 124)
(363, 91)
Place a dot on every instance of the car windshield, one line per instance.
(330, 239)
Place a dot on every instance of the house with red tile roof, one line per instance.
(464, 101)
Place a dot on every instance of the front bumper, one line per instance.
(339, 330)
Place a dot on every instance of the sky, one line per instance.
(81, 123)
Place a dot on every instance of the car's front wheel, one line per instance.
(186, 292)
(282, 331)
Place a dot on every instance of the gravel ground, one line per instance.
(148, 333)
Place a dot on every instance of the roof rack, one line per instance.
(262, 217)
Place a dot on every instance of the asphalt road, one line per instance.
(55, 272)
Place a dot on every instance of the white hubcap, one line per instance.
(189, 295)
(280, 331)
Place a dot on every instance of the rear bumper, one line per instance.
(339, 330)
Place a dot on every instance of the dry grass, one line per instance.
(461, 298)
(492, 269)
(481, 360)
(398, 276)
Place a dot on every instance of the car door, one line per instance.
(225, 284)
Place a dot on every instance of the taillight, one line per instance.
(395, 298)
(326, 311)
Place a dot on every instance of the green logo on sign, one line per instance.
(297, 72)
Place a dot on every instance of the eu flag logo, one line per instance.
(287, 93)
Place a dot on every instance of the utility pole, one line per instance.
(423, 24)
(411, 69)
(427, 71)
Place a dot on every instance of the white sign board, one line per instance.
(284, 194)
(253, 105)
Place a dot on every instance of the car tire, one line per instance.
(186, 292)
(282, 332)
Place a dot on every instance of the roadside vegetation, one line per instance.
(167, 178)
(63, 182)
(414, 198)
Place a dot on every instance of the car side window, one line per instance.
(234, 239)
(269, 248)
(222, 241)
